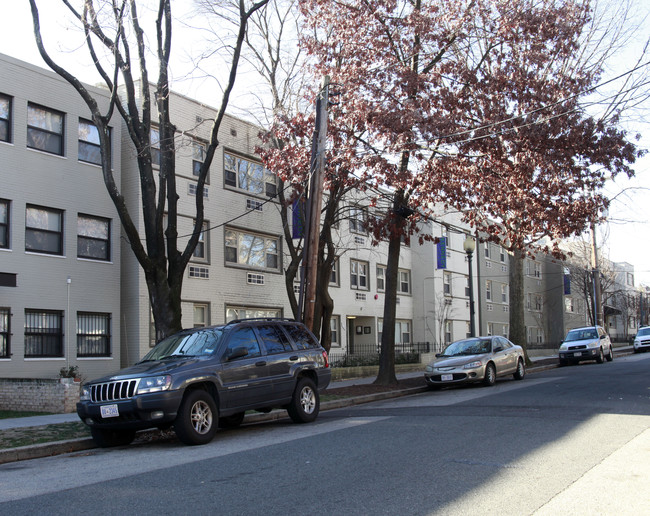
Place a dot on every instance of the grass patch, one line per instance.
(15, 437)
(7, 414)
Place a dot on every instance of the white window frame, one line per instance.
(271, 250)
(359, 274)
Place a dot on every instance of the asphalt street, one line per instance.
(564, 441)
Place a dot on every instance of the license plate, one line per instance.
(577, 354)
(109, 410)
(447, 377)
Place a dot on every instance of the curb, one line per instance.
(74, 445)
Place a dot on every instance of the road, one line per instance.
(573, 440)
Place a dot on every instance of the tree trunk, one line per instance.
(517, 318)
(386, 374)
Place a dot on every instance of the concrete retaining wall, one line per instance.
(39, 395)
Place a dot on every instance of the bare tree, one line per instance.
(117, 27)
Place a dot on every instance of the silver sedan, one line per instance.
(477, 359)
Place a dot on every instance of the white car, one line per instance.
(642, 339)
(588, 343)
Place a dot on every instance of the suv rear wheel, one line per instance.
(305, 402)
(196, 422)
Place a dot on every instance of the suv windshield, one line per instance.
(588, 333)
(198, 343)
(643, 332)
(468, 347)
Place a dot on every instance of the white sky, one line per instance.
(625, 238)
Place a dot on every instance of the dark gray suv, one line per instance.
(204, 378)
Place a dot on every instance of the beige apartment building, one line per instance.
(73, 294)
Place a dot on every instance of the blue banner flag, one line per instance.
(298, 218)
(441, 248)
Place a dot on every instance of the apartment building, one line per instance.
(73, 294)
(60, 248)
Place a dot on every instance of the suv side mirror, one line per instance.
(237, 353)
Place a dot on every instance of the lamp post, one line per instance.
(469, 245)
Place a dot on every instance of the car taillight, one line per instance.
(327, 361)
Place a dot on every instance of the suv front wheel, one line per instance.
(196, 422)
(305, 402)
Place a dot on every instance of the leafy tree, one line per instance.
(118, 46)
(473, 104)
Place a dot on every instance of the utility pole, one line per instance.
(314, 204)
(598, 300)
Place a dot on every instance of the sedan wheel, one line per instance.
(521, 370)
(490, 375)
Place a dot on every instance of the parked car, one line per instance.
(642, 339)
(204, 378)
(588, 343)
(479, 359)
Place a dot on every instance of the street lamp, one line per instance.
(469, 245)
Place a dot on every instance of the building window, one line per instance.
(404, 284)
(201, 313)
(468, 330)
(358, 275)
(248, 176)
(529, 303)
(488, 290)
(538, 270)
(243, 312)
(198, 157)
(502, 255)
(45, 129)
(568, 305)
(448, 332)
(381, 278)
(335, 324)
(504, 293)
(538, 303)
(43, 230)
(43, 333)
(357, 220)
(5, 118)
(89, 149)
(446, 282)
(93, 238)
(5, 333)
(201, 250)
(402, 332)
(334, 274)
(154, 140)
(467, 287)
(93, 334)
(630, 279)
(252, 250)
(490, 328)
(4, 224)
(487, 250)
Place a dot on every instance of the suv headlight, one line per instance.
(154, 384)
(84, 395)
